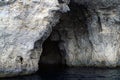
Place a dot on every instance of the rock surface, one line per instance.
(89, 33)
(22, 23)
(103, 33)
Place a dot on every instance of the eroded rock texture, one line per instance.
(72, 30)
(88, 34)
(103, 29)
(22, 23)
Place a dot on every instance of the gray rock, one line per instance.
(88, 33)
(22, 23)
(103, 28)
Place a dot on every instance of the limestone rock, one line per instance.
(88, 33)
(103, 33)
(22, 23)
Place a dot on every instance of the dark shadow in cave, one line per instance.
(51, 58)
(52, 55)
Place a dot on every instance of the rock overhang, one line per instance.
(23, 22)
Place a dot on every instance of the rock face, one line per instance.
(22, 23)
(88, 34)
(101, 45)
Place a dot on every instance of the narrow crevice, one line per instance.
(98, 21)
(100, 24)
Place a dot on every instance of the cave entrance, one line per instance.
(51, 54)
(68, 36)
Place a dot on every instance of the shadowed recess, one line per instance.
(51, 53)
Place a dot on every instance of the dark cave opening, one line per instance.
(51, 54)
(74, 20)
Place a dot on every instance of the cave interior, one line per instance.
(52, 54)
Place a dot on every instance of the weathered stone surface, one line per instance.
(103, 28)
(88, 34)
(22, 23)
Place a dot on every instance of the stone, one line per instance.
(87, 31)
(103, 32)
(22, 23)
